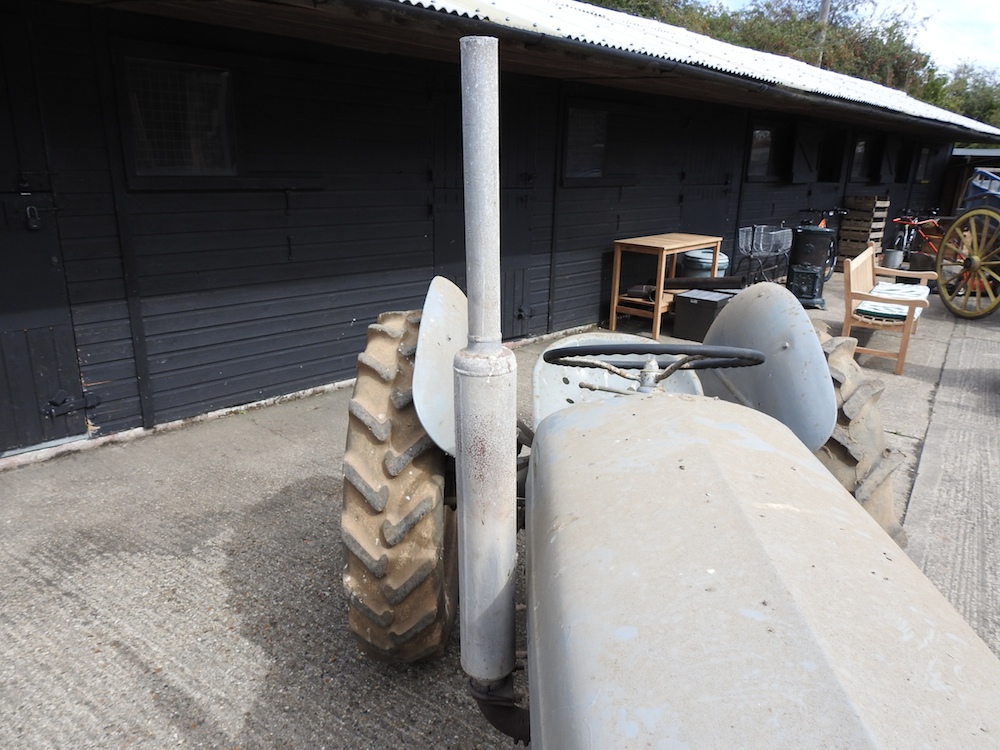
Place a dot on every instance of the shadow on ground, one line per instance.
(284, 566)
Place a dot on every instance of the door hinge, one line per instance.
(61, 403)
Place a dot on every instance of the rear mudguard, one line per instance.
(696, 578)
(444, 331)
(793, 385)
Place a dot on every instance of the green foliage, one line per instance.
(975, 92)
(858, 41)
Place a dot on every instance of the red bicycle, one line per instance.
(913, 235)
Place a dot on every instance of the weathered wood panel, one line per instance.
(347, 199)
(71, 104)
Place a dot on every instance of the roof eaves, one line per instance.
(616, 31)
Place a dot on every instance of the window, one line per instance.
(819, 154)
(586, 143)
(831, 156)
(904, 161)
(597, 149)
(923, 165)
(860, 163)
(771, 152)
(866, 166)
(180, 119)
(760, 152)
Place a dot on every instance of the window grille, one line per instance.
(586, 145)
(181, 118)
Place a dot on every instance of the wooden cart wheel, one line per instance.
(968, 264)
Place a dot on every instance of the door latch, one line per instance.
(61, 403)
(31, 218)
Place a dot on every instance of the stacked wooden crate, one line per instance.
(864, 225)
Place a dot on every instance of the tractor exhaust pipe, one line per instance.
(485, 393)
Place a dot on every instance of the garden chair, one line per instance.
(883, 305)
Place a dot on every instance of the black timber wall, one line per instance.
(681, 166)
(74, 120)
(189, 295)
(248, 291)
(250, 294)
(677, 166)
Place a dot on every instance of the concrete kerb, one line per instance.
(905, 403)
(94, 440)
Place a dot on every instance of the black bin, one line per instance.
(810, 249)
(810, 245)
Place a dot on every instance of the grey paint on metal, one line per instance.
(444, 331)
(601, 27)
(485, 392)
(793, 385)
(697, 578)
(481, 152)
(555, 387)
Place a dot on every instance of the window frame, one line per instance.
(239, 178)
(904, 160)
(139, 139)
(924, 160)
(780, 153)
(607, 177)
(867, 171)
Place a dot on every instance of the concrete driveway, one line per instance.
(184, 588)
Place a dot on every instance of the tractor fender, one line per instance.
(793, 385)
(697, 578)
(444, 332)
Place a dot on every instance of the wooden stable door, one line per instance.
(41, 398)
(40, 391)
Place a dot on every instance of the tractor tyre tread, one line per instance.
(856, 453)
(399, 538)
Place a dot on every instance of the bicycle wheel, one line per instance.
(831, 261)
(968, 264)
(901, 244)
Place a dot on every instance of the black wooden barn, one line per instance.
(205, 203)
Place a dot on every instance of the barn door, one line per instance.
(517, 195)
(709, 197)
(41, 399)
(40, 392)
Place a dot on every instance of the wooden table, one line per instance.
(663, 246)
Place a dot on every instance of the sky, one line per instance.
(956, 30)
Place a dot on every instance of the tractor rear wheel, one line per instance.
(856, 453)
(399, 538)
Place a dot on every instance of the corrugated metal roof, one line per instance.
(601, 27)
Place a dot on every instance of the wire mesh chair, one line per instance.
(765, 249)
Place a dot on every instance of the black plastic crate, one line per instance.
(695, 310)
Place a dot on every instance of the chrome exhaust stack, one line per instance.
(485, 394)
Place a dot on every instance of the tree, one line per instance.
(857, 40)
(974, 92)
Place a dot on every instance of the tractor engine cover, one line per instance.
(697, 578)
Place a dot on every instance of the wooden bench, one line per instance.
(883, 305)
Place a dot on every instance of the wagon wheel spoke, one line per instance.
(992, 252)
(989, 245)
(968, 264)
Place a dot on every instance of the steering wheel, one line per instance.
(693, 357)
